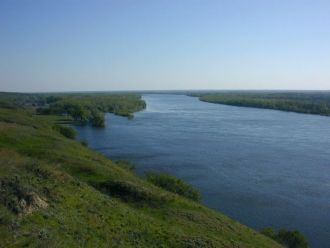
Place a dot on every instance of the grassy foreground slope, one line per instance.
(55, 192)
(308, 102)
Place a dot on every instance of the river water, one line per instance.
(260, 167)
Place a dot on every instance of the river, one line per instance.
(261, 167)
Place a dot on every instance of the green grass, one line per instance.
(92, 201)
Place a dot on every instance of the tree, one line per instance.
(290, 239)
(97, 119)
(173, 184)
(68, 132)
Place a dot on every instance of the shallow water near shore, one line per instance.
(261, 167)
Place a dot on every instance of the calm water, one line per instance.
(261, 167)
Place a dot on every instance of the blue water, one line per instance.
(261, 167)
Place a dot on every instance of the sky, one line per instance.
(95, 45)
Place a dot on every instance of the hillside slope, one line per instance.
(57, 193)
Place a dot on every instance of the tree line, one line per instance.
(92, 107)
(82, 107)
(303, 102)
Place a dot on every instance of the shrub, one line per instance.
(290, 239)
(269, 232)
(43, 111)
(68, 132)
(97, 119)
(293, 239)
(174, 185)
(130, 192)
(84, 143)
(19, 198)
(125, 164)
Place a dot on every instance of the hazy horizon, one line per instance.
(69, 45)
(148, 91)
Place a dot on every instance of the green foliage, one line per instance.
(125, 164)
(132, 193)
(18, 197)
(91, 108)
(97, 119)
(84, 143)
(20, 100)
(173, 184)
(83, 108)
(300, 102)
(290, 239)
(52, 99)
(11, 194)
(269, 232)
(68, 132)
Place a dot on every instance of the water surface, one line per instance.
(261, 167)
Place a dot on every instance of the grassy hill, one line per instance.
(55, 192)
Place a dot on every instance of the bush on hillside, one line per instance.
(290, 239)
(68, 132)
(174, 185)
(125, 164)
(131, 193)
(84, 143)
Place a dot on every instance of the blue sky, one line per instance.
(67, 45)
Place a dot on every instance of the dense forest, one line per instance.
(301, 102)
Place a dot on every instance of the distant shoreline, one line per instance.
(316, 103)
